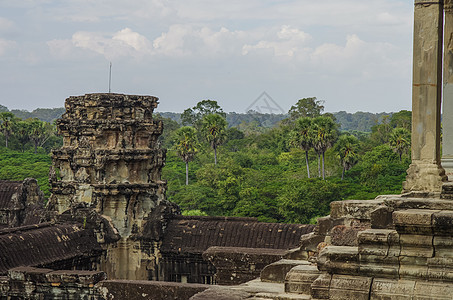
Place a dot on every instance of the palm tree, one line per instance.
(186, 143)
(325, 134)
(7, 120)
(213, 127)
(302, 137)
(346, 147)
(22, 133)
(40, 132)
(400, 140)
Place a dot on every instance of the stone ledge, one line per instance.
(299, 279)
(236, 265)
(40, 275)
(339, 260)
(276, 272)
(356, 209)
(138, 289)
(424, 221)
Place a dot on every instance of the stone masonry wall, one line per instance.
(111, 161)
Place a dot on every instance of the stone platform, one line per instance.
(393, 247)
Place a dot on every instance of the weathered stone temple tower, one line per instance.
(110, 161)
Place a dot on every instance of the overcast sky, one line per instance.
(353, 54)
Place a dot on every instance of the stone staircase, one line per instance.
(396, 248)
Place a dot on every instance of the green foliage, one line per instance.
(214, 131)
(305, 198)
(194, 212)
(265, 164)
(169, 127)
(193, 116)
(359, 121)
(264, 172)
(186, 143)
(380, 170)
(347, 150)
(400, 140)
(186, 146)
(306, 107)
(380, 133)
(324, 136)
(402, 119)
(44, 114)
(16, 165)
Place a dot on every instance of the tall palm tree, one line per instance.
(22, 133)
(324, 137)
(186, 144)
(40, 132)
(214, 126)
(7, 120)
(346, 147)
(302, 137)
(400, 140)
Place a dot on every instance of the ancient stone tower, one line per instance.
(110, 161)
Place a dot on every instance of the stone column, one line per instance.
(447, 121)
(425, 174)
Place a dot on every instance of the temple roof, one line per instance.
(197, 234)
(38, 245)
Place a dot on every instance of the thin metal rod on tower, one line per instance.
(110, 78)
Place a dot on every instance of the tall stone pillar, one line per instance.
(111, 162)
(447, 121)
(425, 174)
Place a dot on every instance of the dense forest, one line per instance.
(358, 121)
(279, 168)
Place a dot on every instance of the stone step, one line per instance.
(423, 221)
(299, 279)
(339, 260)
(276, 272)
(447, 190)
(283, 296)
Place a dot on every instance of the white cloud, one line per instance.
(6, 24)
(291, 46)
(287, 42)
(360, 59)
(334, 55)
(294, 46)
(122, 43)
(133, 39)
(6, 45)
(387, 18)
(172, 43)
(184, 40)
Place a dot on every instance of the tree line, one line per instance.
(21, 134)
(287, 172)
(358, 121)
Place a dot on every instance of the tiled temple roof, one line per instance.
(197, 234)
(42, 244)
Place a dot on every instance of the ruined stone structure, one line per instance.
(108, 211)
(21, 203)
(110, 161)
